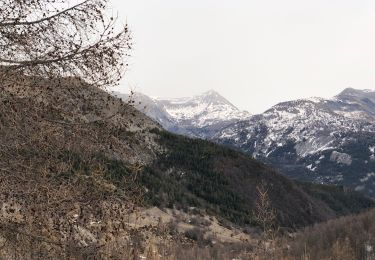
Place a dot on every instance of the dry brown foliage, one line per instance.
(69, 153)
(50, 38)
(351, 237)
(264, 213)
(346, 238)
(59, 149)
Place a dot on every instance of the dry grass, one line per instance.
(58, 201)
(347, 238)
(59, 195)
(351, 237)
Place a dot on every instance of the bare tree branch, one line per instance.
(51, 39)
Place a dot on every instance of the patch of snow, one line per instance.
(368, 176)
(341, 158)
(311, 168)
(359, 188)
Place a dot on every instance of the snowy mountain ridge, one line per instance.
(202, 110)
(322, 140)
(197, 116)
(311, 123)
(313, 139)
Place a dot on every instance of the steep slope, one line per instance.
(202, 110)
(150, 107)
(75, 162)
(198, 173)
(198, 116)
(349, 237)
(61, 192)
(327, 141)
(354, 103)
(319, 140)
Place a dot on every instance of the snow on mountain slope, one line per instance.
(323, 140)
(311, 125)
(202, 110)
(355, 104)
(314, 139)
(198, 116)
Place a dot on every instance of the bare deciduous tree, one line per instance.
(62, 38)
(264, 212)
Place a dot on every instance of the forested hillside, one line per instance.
(76, 162)
(198, 173)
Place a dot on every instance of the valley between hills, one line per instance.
(325, 141)
(85, 174)
(90, 173)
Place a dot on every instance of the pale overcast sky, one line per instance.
(255, 53)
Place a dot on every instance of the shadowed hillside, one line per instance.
(199, 173)
(76, 162)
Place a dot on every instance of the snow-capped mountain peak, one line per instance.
(197, 116)
(359, 93)
(354, 104)
(202, 110)
(324, 140)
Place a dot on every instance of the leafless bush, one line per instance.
(199, 221)
(196, 234)
(264, 213)
(66, 183)
(351, 237)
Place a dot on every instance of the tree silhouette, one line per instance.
(62, 38)
(264, 212)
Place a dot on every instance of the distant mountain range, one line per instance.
(198, 116)
(96, 160)
(318, 140)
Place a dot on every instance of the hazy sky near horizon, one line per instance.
(254, 53)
